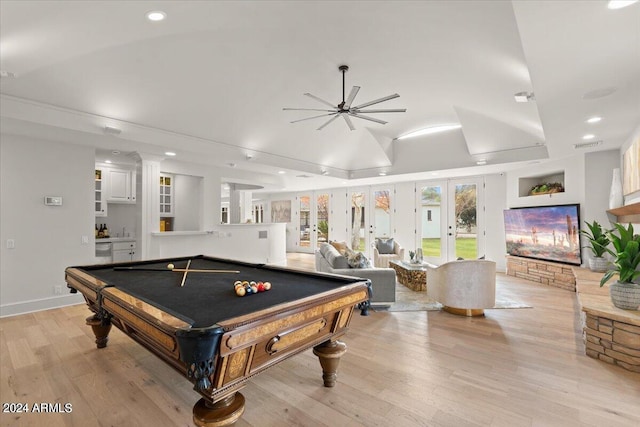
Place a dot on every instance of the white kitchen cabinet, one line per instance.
(166, 195)
(100, 193)
(123, 251)
(121, 186)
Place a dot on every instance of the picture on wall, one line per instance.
(281, 211)
(550, 233)
(631, 169)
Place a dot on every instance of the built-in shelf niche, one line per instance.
(525, 184)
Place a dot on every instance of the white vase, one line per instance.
(616, 198)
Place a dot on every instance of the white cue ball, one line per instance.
(171, 266)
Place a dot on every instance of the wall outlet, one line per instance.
(57, 290)
(11, 244)
(84, 240)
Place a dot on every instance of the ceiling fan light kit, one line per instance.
(345, 110)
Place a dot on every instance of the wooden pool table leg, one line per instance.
(222, 413)
(100, 329)
(329, 353)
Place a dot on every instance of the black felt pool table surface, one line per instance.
(209, 298)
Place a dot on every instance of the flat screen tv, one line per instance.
(550, 233)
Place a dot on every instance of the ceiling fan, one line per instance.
(345, 110)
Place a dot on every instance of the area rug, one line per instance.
(420, 302)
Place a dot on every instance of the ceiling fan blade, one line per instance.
(320, 100)
(314, 117)
(335, 110)
(376, 101)
(393, 110)
(329, 121)
(359, 116)
(351, 97)
(348, 121)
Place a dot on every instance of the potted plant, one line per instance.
(598, 241)
(624, 293)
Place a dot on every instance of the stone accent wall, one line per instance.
(544, 272)
(613, 342)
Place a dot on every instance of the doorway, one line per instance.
(450, 214)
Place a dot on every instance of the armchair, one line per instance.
(463, 287)
(383, 252)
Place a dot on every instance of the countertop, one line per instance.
(115, 239)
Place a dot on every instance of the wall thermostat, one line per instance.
(53, 200)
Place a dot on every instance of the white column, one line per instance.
(245, 206)
(148, 205)
(234, 204)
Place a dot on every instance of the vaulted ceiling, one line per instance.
(211, 80)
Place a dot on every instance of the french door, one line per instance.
(449, 215)
(371, 216)
(313, 220)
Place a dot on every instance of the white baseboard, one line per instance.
(24, 307)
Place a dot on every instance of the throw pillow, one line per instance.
(340, 246)
(384, 246)
(358, 260)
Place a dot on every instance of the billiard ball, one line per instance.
(240, 291)
(267, 286)
(171, 266)
(237, 282)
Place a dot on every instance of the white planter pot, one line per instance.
(625, 295)
(598, 264)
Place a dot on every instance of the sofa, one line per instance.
(382, 257)
(383, 280)
(464, 287)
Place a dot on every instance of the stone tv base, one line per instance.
(544, 272)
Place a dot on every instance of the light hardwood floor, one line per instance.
(520, 367)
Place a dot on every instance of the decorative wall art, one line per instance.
(281, 211)
(631, 169)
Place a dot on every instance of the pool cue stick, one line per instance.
(179, 270)
(186, 270)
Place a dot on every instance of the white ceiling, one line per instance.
(211, 80)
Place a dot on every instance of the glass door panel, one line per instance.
(322, 219)
(382, 213)
(431, 225)
(465, 210)
(359, 237)
(304, 208)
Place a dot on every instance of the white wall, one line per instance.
(47, 239)
(495, 198)
(187, 202)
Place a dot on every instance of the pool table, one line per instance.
(197, 324)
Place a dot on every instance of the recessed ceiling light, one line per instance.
(169, 153)
(430, 130)
(588, 136)
(619, 4)
(594, 119)
(382, 173)
(481, 162)
(107, 161)
(156, 15)
(281, 172)
(115, 152)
